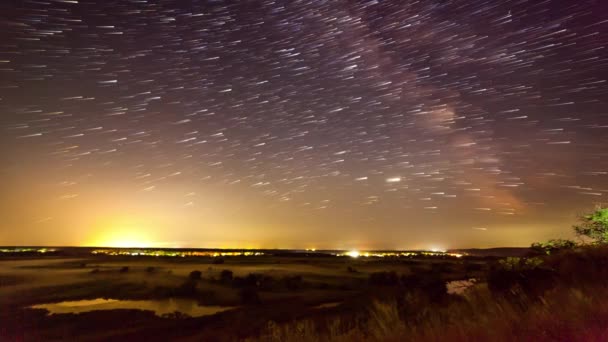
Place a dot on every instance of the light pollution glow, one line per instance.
(345, 125)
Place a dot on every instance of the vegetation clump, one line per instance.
(384, 278)
(552, 246)
(557, 297)
(594, 226)
(195, 275)
(226, 276)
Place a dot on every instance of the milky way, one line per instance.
(341, 124)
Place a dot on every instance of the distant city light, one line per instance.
(353, 254)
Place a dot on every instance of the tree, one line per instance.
(552, 246)
(195, 275)
(226, 276)
(594, 225)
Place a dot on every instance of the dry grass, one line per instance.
(561, 315)
(572, 311)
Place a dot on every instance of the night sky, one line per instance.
(301, 124)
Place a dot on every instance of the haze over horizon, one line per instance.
(301, 124)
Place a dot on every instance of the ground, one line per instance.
(263, 289)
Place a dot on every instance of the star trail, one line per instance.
(301, 124)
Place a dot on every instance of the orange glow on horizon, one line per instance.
(122, 233)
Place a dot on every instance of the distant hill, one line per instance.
(498, 252)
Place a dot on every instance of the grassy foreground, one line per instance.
(559, 297)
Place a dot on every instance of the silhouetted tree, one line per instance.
(384, 278)
(529, 275)
(226, 276)
(249, 295)
(594, 225)
(552, 246)
(293, 282)
(195, 275)
(187, 289)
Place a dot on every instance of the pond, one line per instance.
(327, 305)
(160, 307)
(459, 287)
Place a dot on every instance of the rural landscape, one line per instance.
(304, 170)
(553, 291)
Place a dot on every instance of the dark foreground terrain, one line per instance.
(306, 297)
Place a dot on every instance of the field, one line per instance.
(300, 297)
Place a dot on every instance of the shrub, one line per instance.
(552, 246)
(195, 275)
(417, 268)
(218, 261)
(428, 284)
(267, 283)
(293, 283)
(187, 289)
(441, 267)
(470, 267)
(251, 280)
(584, 265)
(124, 269)
(175, 315)
(384, 278)
(226, 276)
(594, 225)
(249, 295)
(528, 275)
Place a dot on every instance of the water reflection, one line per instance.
(160, 307)
(459, 287)
(327, 305)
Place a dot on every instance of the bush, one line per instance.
(384, 279)
(293, 283)
(552, 246)
(594, 226)
(150, 269)
(584, 265)
(251, 280)
(226, 276)
(511, 275)
(417, 268)
(217, 261)
(441, 267)
(249, 295)
(195, 275)
(124, 269)
(175, 315)
(470, 267)
(187, 289)
(267, 283)
(429, 284)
